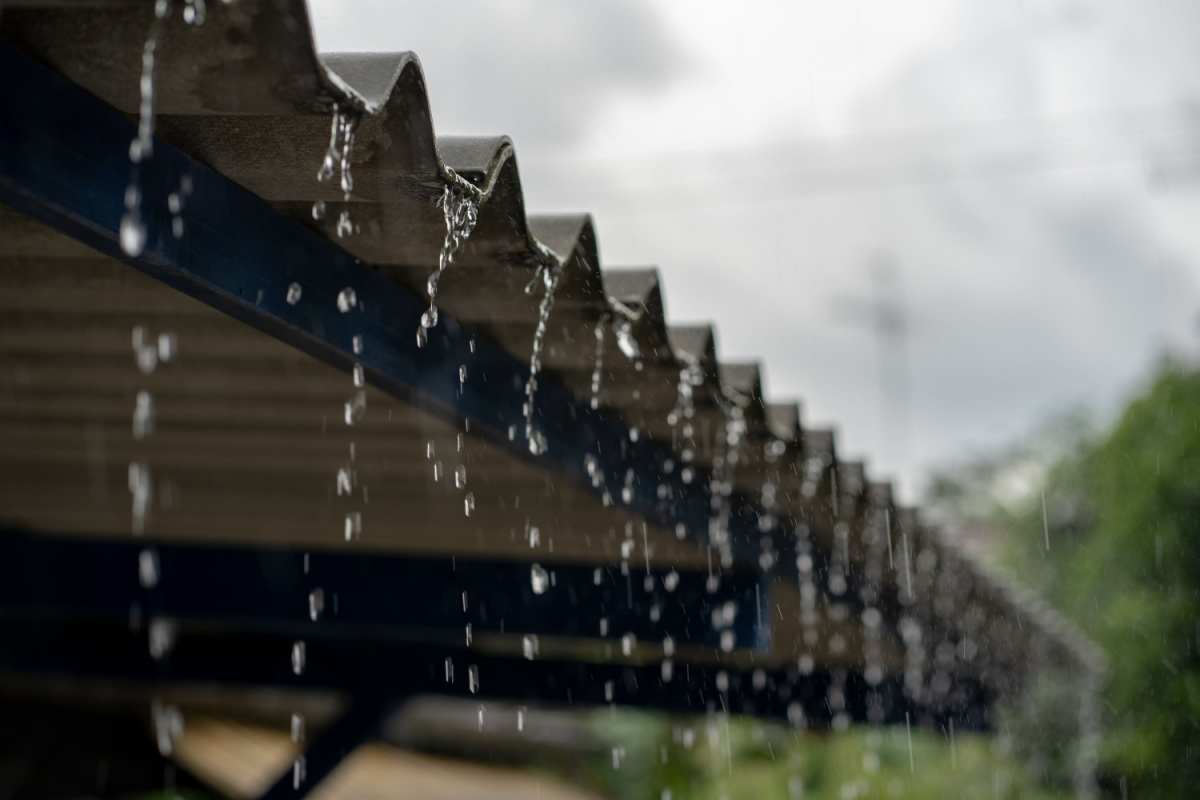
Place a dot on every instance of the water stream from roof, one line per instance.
(337, 157)
(598, 364)
(548, 272)
(460, 206)
(133, 227)
(132, 233)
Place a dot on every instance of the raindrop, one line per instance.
(668, 670)
(668, 647)
(521, 719)
(482, 713)
(628, 642)
(343, 482)
(529, 646)
(422, 336)
(469, 504)
(671, 580)
(462, 374)
(167, 345)
(625, 340)
(359, 378)
(473, 679)
(162, 632)
(539, 579)
(168, 726)
(141, 491)
(353, 525)
(193, 12)
(460, 477)
(148, 568)
(603, 627)
(344, 225)
(346, 299)
(357, 344)
(449, 670)
(299, 656)
(608, 691)
(727, 641)
(318, 210)
(468, 634)
(316, 604)
(294, 293)
(143, 415)
(437, 471)
(722, 682)
(356, 408)
(297, 727)
(299, 772)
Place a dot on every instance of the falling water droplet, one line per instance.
(473, 679)
(628, 642)
(316, 603)
(294, 293)
(437, 471)
(422, 336)
(449, 670)
(353, 525)
(346, 299)
(671, 580)
(539, 579)
(297, 727)
(356, 344)
(344, 486)
(356, 408)
(318, 210)
(148, 568)
(143, 415)
(529, 646)
(482, 713)
(298, 657)
(460, 477)
(359, 378)
(469, 504)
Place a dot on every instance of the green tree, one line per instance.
(1121, 512)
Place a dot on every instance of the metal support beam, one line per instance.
(375, 597)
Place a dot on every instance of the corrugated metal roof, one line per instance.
(247, 429)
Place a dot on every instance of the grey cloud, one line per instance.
(539, 70)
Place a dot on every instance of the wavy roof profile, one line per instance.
(247, 95)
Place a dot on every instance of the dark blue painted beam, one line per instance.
(376, 597)
(64, 161)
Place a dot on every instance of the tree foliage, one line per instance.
(1121, 512)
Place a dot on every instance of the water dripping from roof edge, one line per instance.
(460, 208)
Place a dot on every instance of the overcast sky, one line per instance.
(1020, 177)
